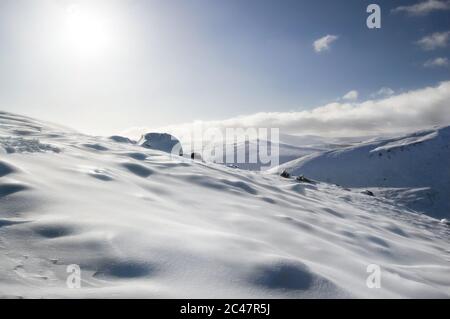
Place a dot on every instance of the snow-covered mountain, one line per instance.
(161, 142)
(143, 223)
(288, 148)
(287, 153)
(413, 169)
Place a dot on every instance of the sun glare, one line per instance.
(87, 32)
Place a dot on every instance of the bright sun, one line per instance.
(87, 32)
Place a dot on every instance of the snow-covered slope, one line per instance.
(141, 223)
(412, 169)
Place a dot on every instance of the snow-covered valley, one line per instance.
(143, 223)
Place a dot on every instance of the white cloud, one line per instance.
(437, 62)
(423, 8)
(383, 92)
(324, 43)
(351, 96)
(435, 40)
(398, 113)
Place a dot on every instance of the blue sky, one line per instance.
(175, 61)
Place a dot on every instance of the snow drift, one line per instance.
(143, 223)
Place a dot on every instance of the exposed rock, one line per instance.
(285, 174)
(367, 192)
(196, 156)
(303, 179)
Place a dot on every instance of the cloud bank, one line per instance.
(323, 44)
(423, 8)
(403, 112)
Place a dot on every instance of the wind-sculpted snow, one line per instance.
(143, 223)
